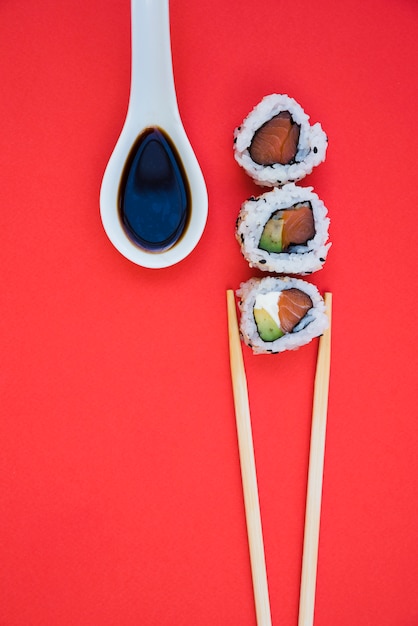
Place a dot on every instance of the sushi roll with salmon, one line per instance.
(276, 144)
(278, 314)
(284, 231)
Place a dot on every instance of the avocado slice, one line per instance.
(271, 237)
(266, 326)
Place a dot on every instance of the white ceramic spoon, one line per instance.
(152, 104)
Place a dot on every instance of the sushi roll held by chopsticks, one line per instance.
(279, 314)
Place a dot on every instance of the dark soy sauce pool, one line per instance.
(154, 194)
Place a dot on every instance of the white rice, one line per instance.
(311, 147)
(301, 259)
(312, 325)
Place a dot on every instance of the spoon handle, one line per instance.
(152, 95)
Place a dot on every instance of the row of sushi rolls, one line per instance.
(284, 231)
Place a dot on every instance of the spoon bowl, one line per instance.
(152, 108)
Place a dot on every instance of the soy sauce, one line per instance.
(154, 194)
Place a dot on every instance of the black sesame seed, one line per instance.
(321, 259)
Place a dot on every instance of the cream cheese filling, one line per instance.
(270, 303)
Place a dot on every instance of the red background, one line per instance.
(121, 499)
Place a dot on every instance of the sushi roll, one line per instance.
(278, 314)
(276, 144)
(284, 231)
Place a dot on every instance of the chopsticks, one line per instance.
(248, 470)
(315, 475)
(249, 477)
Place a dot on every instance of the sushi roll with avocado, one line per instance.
(284, 231)
(278, 314)
(276, 144)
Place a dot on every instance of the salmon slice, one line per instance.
(276, 141)
(293, 306)
(298, 226)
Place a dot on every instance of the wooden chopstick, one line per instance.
(315, 476)
(248, 470)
